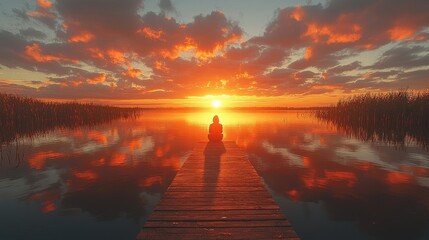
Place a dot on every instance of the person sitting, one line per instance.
(215, 130)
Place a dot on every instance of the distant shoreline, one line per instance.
(233, 108)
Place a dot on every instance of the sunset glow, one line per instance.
(161, 53)
(225, 119)
(216, 103)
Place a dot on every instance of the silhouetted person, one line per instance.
(215, 130)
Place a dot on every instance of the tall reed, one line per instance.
(25, 116)
(390, 117)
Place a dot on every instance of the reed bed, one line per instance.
(395, 117)
(26, 116)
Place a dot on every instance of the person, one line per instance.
(215, 130)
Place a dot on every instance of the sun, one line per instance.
(216, 103)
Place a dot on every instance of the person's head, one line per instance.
(216, 119)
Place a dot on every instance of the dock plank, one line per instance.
(217, 194)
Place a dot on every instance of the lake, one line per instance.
(103, 181)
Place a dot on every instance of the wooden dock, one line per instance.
(217, 194)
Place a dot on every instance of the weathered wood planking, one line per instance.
(217, 194)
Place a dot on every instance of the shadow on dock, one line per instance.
(212, 161)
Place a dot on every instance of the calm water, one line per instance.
(103, 182)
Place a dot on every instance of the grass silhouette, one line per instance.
(389, 117)
(26, 116)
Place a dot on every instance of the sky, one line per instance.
(187, 53)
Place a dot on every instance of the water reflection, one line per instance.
(107, 173)
(382, 191)
(104, 181)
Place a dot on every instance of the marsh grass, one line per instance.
(23, 116)
(395, 117)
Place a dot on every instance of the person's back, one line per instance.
(215, 130)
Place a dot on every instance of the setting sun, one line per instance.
(216, 103)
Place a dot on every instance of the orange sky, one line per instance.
(168, 54)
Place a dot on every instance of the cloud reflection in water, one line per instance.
(114, 174)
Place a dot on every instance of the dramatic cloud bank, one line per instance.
(109, 49)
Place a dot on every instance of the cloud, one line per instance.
(34, 52)
(101, 17)
(353, 25)
(221, 32)
(11, 47)
(83, 77)
(21, 14)
(32, 33)
(44, 14)
(418, 79)
(16, 88)
(166, 6)
(110, 49)
(56, 58)
(403, 57)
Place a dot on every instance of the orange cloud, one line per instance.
(334, 33)
(331, 87)
(151, 33)
(100, 78)
(44, 4)
(401, 32)
(34, 52)
(132, 73)
(74, 82)
(244, 75)
(113, 55)
(421, 37)
(41, 14)
(297, 13)
(172, 53)
(96, 53)
(308, 53)
(208, 43)
(82, 37)
(43, 11)
(116, 56)
(204, 54)
(158, 65)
